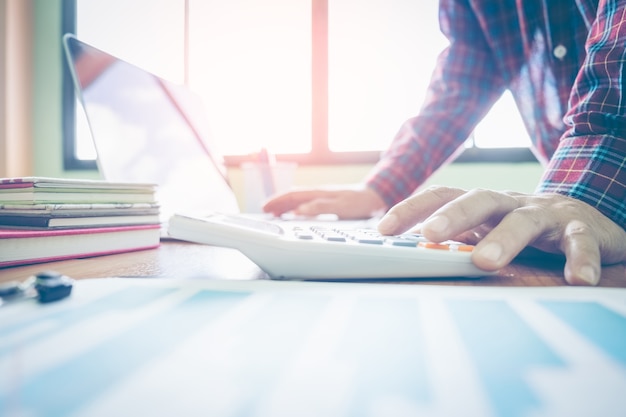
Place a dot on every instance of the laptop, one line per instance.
(148, 130)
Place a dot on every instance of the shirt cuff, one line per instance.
(591, 169)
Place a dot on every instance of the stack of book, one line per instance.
(47, 219)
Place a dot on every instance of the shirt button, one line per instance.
(560, 51)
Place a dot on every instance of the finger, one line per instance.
(317, 207)
(468, 212)
(343, 207)
(291, 200)
(582, 253)
(416, 208)
(510, 236)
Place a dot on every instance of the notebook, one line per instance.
(149, 130)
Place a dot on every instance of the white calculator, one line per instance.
(326, 250)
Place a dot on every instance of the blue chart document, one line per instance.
(260, 348)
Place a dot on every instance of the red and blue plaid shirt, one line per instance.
(564, 61)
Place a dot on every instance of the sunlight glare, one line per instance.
(251, 63)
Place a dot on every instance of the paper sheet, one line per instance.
(162, 347)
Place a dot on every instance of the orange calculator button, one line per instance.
(433, 245)
(460, 247)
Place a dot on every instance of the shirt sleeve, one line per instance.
(589, 163)
(465, 83)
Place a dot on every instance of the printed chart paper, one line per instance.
(159, 347)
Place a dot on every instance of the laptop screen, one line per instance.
(146, 129)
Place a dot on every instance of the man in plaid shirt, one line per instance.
(564, 61)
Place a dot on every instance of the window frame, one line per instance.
(70, 161)
(320, 153)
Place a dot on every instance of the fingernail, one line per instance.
(388, 224)
(491, 252)
(588, 274)
(437, 224)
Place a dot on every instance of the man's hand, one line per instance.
(348, 203)
(502, 224)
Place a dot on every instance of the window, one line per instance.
(300, 77)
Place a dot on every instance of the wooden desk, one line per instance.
(175, 259)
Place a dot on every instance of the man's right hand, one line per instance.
(347, 203)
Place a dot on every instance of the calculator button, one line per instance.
(433, 245)
(328, 234)
(401, 241)
(413, 236)
(369, 240)
(303, 235)
(453, 246)
(366, 237)
(333, 236)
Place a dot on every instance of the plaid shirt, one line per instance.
(564, 62)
